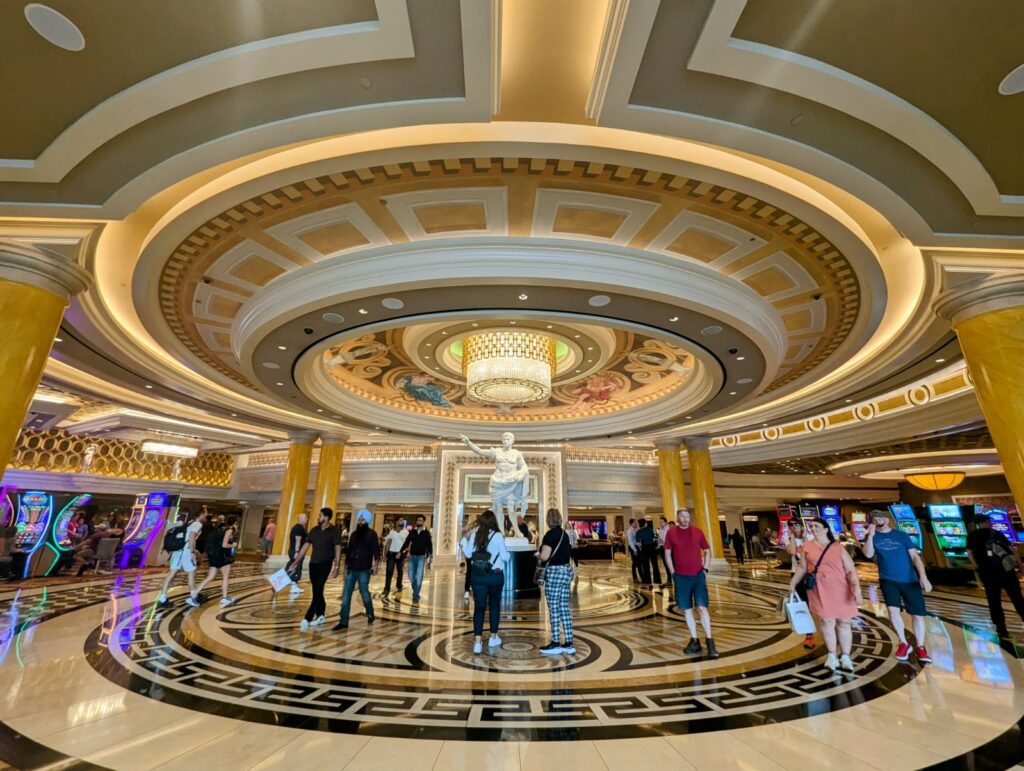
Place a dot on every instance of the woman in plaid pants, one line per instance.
(555, 552)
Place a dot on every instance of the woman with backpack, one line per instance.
(555, 553)
(833, 589)
(485, 550)
(220, 549)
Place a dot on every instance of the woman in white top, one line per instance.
(487, 575)
(793, 544)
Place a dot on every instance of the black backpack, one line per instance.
(174, 539)
(215, 542)
(480, 562)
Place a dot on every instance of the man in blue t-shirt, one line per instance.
(901, 576)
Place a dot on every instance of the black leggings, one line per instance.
(487, 594)
(995, 585)
(319, 572)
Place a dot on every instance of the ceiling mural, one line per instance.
(633, 370)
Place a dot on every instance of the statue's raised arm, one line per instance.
(478, 450)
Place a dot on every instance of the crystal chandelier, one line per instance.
(509, 367)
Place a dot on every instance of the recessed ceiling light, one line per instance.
(590, 347)
(848, 401)
(1013, 83)
(629, 432)
(549, 326)
(58, 339)
(674, 318)
(599, 300)
(745, 380)
(732, 393)
(524, 297)
(365, 82)
(319, 410)
(577, 337)
(430, 345)
(577, 372)
(512, 322)
(939, 361)
(54, 27)
(689, 417)
(333, 318)
(271, 365)
(426, 357)
(363, 311)
(474, 324)
(392, 303)
(797, 120)
(376, 428)
(444, 332)
(740, 358)
(763, 471)
(234, 414)
(764, 424)
(714, 329)
(148, 386)
(282, 347)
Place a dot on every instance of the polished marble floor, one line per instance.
(97, 676)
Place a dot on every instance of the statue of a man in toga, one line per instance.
(510, 480)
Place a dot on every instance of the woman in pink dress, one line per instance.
(836, 593)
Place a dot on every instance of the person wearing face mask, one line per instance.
(361, 558)
(324, 541)
(420, 548)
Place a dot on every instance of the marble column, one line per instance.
(705, 503)
(35, 287)
(328, 473)
(988, 317)
(294, 486)
(670, 478)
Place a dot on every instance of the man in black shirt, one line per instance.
(420, 548)
(999, 569)
(296, 538)
(324, 541)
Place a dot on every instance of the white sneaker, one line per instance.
(494, 642)
(226, 601)
(319, 621)
(303, 626)
(569, 648)
(832, 662)
(296, 589)
(465, 596)
(478, 647)
(846, 663)
(192, 601)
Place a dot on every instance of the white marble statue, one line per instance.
(511, 478)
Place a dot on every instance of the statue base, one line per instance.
(521, 566)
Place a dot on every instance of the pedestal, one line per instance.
(521, 566)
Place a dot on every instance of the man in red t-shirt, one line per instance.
(688, 555)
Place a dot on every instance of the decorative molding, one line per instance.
(24, 263)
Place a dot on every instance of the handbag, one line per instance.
(481, 563)
(800, 618)
(812, 578)
(541, 571)
(1005, 559)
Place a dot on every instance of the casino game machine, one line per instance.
(785, 513)
(7, 507)
(35, 509)
(830, 512)
(57, 543)
(808, 511)
(859, 525)
(906, 521)
(149, 515)
(1000, 522)
(948, 536)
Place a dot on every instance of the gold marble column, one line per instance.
(328, 473)
(988, 316)
(35, 286)
(702, 481)
(294, 486)
(670, 478)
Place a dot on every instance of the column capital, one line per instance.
(301, 436)
(981, 295)
(697, 442)
(25, 263)
(669, 444)
(333, 439)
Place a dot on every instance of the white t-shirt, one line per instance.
(194, 528)
(396, 540)
(798, 542)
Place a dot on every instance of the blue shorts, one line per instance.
(691, 590)
(910, 593)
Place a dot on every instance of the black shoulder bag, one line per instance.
(541, 572)
(811, 578)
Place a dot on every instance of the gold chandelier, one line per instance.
(510, 367)
(943, 480)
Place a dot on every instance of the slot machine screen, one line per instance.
(34, 512)
(948, 526)
(859, 525)
(906, 521)
(830, 513)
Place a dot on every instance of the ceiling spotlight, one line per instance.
(58, 339)
(714, 329)
(590, 347)
(319, 410)
(939, 361)
(280, 384)
(148, 386)
(333, 318)
(444, 331)
(392, 303)
(674, 318)
(745, 380)
(234, 414)
(599, 300)
(764, 424)
(376, 428)
(740, 358)
(576, 337)
(426, 357)
(474, 324)
(430, 345)
(512, 322)
(732, 393)
(689, 417)
(363, 311)
(549, 326)
(271, 365)
(282, 347)
(524, 297)
(577, 372)
(848, 401)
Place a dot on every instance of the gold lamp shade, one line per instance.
(509, 367)
(942, 480)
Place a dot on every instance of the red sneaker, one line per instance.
(922, 655)
(809, 642)
(903, 652)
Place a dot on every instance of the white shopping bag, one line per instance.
(799, 615)
(280, 579)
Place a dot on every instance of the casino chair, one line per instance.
(106, 554)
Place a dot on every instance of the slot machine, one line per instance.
(47, 559)
(906, 521)
(785, 513)
(859, 525)
(1000, 523)
(148, 517)
(808, 511)
(831, 514)
(35, 509)
(948, 534)
(1015, 521)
